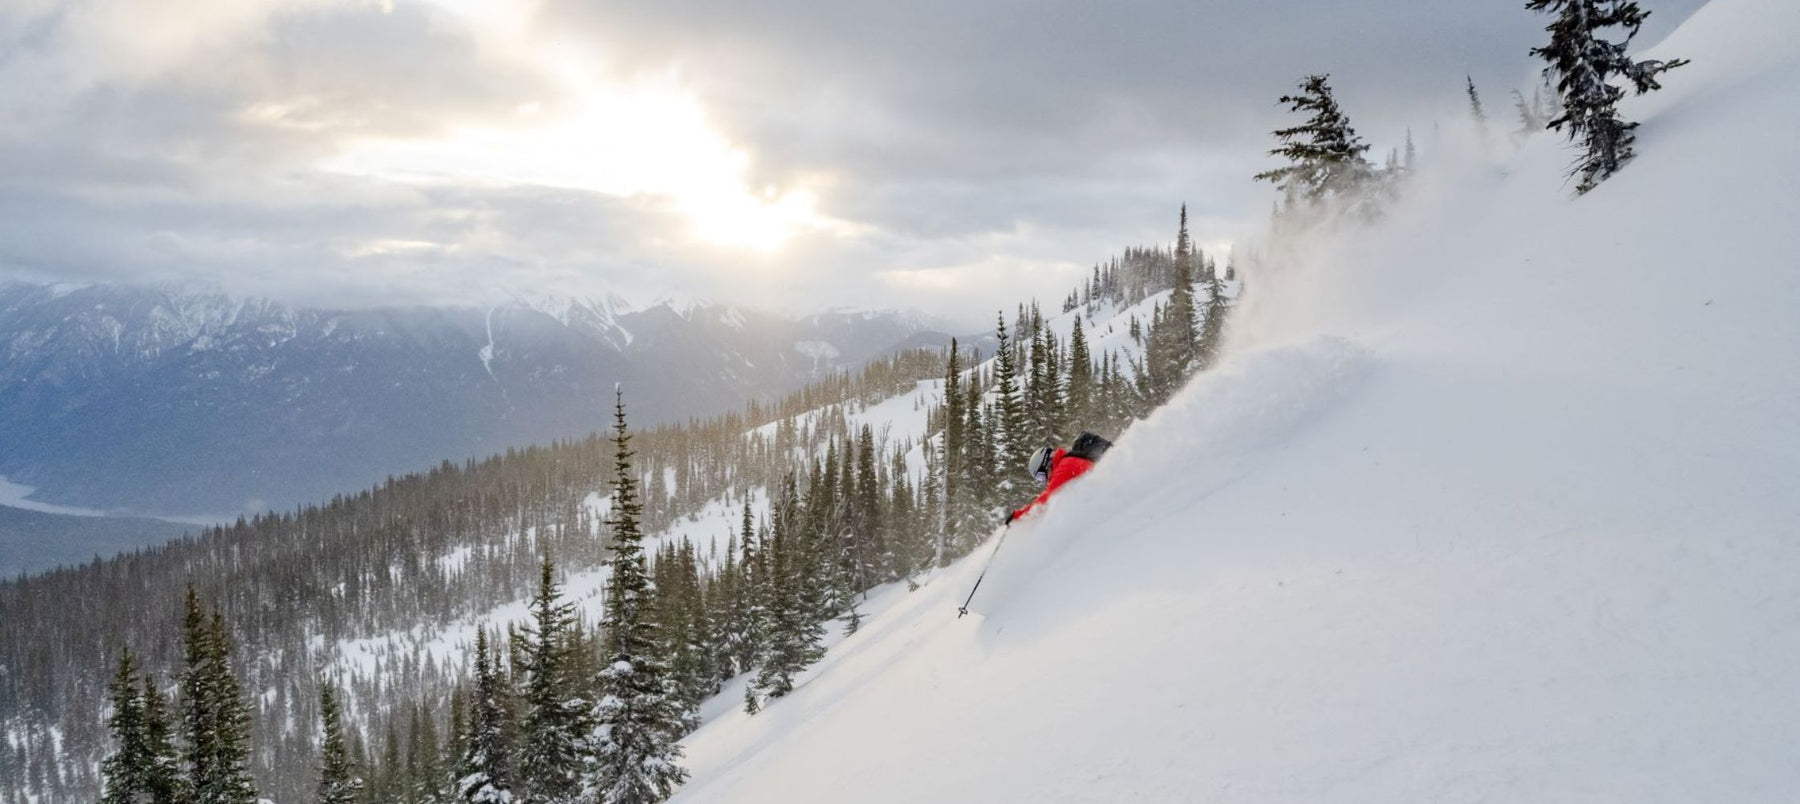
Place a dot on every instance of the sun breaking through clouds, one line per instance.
(938, 154)
(646, 139)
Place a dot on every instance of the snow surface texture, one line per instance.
(1491, 503)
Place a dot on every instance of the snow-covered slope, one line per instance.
(896, 421)
(1493, 502)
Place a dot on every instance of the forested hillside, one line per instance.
(868, 477)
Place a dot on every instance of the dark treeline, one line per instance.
(847, 509)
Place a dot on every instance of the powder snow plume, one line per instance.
(1491, 501)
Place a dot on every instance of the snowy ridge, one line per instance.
(1492, 502)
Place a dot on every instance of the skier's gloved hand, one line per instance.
(1010, 516)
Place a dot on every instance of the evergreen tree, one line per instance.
(640, 716)
(874, 559)
(700, 654)
(904, 531)
(1325, 155)
(955, 484)
(456, 741)
(127, 771)
(933, 503)
(215, 716)
(680, 607)
(1081, 378)
(1212, 327)
(1015, 444)
(755, 568)
(387, 775)
(1174, 336)
(1037, 412)
(1051, 397)
(978, 470)
(338, 780)
(555, 725)
(794, 635)
(1529, 121)
(424, 768)
(740, 631)
(1476, 112)
(1583, 65)
(162, 776)
(484, 775)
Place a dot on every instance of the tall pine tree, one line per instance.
(1212, 327)
(162, 779)
(127, 771)
(794, 633)
(954, 488)
(484, 776)
(338, 780)
(555, 727)
(1081, 379)
(640, 715)
(1174, 338)
(1015, 443)
(214, 715)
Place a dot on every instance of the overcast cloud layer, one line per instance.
(942, 155)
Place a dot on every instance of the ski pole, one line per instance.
(984, 570)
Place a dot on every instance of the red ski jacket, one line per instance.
(1063, 468)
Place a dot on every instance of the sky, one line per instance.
(950, 157)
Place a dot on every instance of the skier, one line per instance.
(1056, 467)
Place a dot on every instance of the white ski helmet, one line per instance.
(1039, 465)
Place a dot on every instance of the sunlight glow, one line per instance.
(648, 141)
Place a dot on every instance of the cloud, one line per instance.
(939, 154)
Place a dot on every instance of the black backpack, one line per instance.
(1089, 446)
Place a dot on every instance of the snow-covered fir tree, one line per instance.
(1583, 66)
(1174, 337)
(681, 608)
(426, 781)
(979, 454)
(1015, 443)
(127, 771)
(794, 633)
(338, 779)
(873, 558)
(743, 603)
(554, 732)
(1214, 309)
(1324, 154)
(215, 717)
(484, 775)
(640, 715)
(1080, 390)
(955, 490)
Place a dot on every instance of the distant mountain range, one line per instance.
(167, 400)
